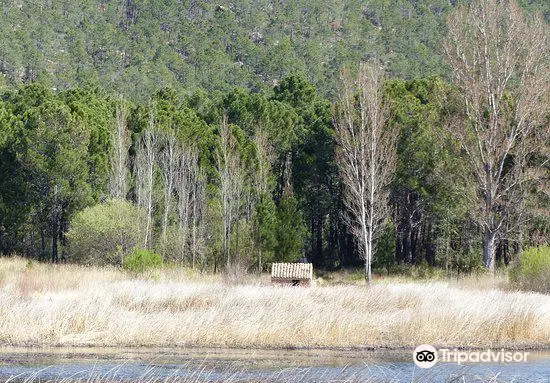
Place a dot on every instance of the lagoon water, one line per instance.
(222, 365)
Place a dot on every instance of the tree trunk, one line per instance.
(399, 250)
(506, 252)
(194, 229)
(366, 248)
(408, 246)
(54, 241)
(447, 254)
(414, 246)
(489, 250)
(228, 243)
(42, 245)
(63, 239)
(237, 240)
(368, 272)
(319, 238)
(260, 261)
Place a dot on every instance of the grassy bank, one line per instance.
(71, 305)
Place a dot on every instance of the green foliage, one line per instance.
(105, 233)
(290, 232)
(30, 264)
(142, 260)
(468, 261)
(384, 257)
(55, 158)
(14, 205)
(532, 272)
(314, 173)
(266, 231)
(296, 91)
(55, 145)
(95, 110)
(428, 186)
(134, 47)
(421, 271)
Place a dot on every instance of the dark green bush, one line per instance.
(532, 272)
(142, 260)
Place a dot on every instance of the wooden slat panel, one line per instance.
(292, 270)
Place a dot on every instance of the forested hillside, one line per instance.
(138, 46)
(206, 132)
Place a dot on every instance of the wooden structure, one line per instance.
(293, 274)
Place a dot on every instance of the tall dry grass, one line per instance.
(71, 305)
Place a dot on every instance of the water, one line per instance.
(217, 365)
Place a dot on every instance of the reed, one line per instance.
(203, 374)
(45, 305)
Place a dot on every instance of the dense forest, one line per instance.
(206, 132)
(135, 47)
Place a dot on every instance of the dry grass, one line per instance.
(70, 305)
(298, 378)
(298, 375)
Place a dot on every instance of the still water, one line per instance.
(234, 365)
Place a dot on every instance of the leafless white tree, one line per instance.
(184, 189)
(184, 180)
(168, 161)
(145, 175)
(366, 156)
(231, 178)
(500, 62)
(191, 191)
(198, 215)
(120, 143)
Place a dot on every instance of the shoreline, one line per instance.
(357, 349)
(139, 364)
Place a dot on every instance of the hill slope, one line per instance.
(135, 46)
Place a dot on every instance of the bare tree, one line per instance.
(366, 156)
(231, 177)
(145, 175)
(168, 161)
(183, 189)
(499, 58)
(191, 191)
(198, 204)
(120, 142)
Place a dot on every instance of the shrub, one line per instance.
(469, 262)
(105, 233)
(532, 272)
(142, 260)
